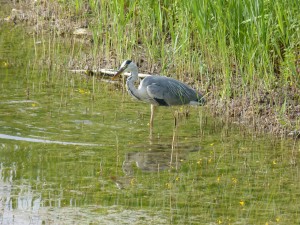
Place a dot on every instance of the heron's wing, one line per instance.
(157, 93)
(167, 91)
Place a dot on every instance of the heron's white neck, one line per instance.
(130, 84)
(134, 74)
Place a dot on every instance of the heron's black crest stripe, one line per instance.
(161, 102)
(128, 62)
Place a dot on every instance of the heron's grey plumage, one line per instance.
(160, 90)
(168, 91)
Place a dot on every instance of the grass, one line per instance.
(244, 51)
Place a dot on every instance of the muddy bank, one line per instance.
(265, 111)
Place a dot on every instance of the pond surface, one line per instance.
(74, 150)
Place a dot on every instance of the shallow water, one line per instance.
(77, 151)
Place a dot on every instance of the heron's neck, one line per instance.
(130, 84)
(132, 79)
(134, 74)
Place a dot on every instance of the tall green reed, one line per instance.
(244, 46)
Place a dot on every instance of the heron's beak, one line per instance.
(120, 71)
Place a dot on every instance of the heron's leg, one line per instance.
(151, 120)
(174, 153)
(176, 118)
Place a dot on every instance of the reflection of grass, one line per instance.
(224, 183)
(230, 180)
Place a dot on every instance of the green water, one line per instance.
(74, 150)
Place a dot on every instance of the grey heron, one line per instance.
(158, 90)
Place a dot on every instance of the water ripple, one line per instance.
(37, 140)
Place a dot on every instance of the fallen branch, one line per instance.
(105, 72)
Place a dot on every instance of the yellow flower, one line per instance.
(277, 219)
(168, 185)
(242, 203)
(234, 180)
(177, 178)
(274, 162)
(81, 91)
(33, 105)
(218, 179)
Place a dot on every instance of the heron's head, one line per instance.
(127, 66)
